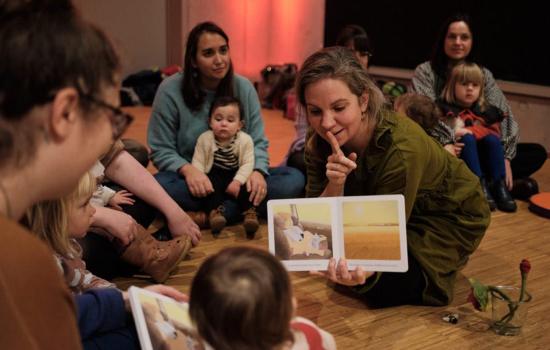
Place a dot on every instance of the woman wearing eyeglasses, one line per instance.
(57, 117)
(180, 115)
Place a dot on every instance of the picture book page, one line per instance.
(161, 322)
(369, 231)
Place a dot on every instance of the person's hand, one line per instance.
(257, 187)
(450, 148)
(509, 179)
(117, 223)
(120, 198)
(458, 148)
(199, 184)
(338, 165)
(339, 273)
(180, 224)
(170, 292)
(233, 188)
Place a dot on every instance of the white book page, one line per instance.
(369, 231)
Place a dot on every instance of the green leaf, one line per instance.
(481, 293)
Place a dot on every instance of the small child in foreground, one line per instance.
(61, 222)
(241, 298)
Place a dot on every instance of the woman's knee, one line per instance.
(492, 141)
(468, 140)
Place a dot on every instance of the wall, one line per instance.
(138, 28)
(262, 31)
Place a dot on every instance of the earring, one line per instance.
(195, 73)
(363, 115)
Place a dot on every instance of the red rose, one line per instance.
(525, 266)
(472, 299)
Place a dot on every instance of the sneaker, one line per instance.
(199, 217)
(217, 220)
(250, 222)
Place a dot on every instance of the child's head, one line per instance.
(225, 118)
(56, 221)
(419, 108)
(465, 85)
(241, 298)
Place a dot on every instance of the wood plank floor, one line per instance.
(510, 238)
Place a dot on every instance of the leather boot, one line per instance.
(488, 196)
(199, 217)
(503, 198)
(217, 220)
(524, 188)
(156, 258)
(250, 222)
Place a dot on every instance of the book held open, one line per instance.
(369, 231)
(161, 322)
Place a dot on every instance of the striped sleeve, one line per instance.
(509, 126)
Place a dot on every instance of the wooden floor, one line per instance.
(510, 238)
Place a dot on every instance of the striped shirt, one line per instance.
(225, 157)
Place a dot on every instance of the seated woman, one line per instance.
(358, 147)
(455, 45)
(180, 115)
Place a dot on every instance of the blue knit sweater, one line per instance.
(174, 128)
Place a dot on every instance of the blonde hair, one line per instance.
(340, 63)
(49, 219)
(466, 72)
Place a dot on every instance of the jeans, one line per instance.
(282, 182)
(484, 157)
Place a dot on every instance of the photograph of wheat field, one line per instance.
(371, 230)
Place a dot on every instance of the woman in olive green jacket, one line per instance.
(358, 147)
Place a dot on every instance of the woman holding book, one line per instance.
(358, 147)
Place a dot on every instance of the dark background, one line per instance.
(513, 40)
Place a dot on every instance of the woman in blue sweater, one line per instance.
(180, 115)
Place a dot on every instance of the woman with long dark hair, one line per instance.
(180, 115)
(455, 44)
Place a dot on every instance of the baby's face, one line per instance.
(225, 122)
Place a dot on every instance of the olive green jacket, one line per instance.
(447, 214)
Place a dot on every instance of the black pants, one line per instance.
(529, 158)
(220, 179)
(393, 289)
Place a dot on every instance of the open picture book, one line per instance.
(161, 322)
(369, 231)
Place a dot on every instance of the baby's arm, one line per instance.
(102, 195)
(120, 198)
(246, 165)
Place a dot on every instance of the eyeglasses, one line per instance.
(120, 120)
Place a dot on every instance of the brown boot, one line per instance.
(250, 222)
(217, 220)
(156, 258)
(199, 217)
